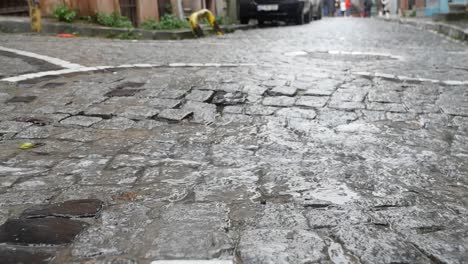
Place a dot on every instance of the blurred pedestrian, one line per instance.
(342, 7)
(326, 7)
(385, 8)
(367, 8)
(348, 7)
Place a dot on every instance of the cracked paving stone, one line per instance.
(312, 101)
(297, 113)
(345, 105)
(199, 95)
(22, 99)
(79, 136)
(174, 114)
(202, 112)
(279, 101)
(83, 121)
(283, 90)
(48, 231)
(67, 209)
(17, 255)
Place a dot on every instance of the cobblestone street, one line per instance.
(341, 141)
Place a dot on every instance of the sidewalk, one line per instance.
(457, 30)
(9, 24)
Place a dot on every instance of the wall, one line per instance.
(147, 9)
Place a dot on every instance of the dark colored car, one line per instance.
(297, 11)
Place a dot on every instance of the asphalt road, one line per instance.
(341, 141)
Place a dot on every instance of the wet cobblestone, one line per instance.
(293, 159)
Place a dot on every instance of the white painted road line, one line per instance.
(51, 60)
(409, 79)
(211, 261)
(36, 75)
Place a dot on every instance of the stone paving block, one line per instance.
(202, 112)
(281, 246)
(283, 90)
(260, 110)
(312, 101)
(323, 87)
(124, 160)
(13, 126)
(197, 229)
(279, 101)
(254, 89)
(164, 103)
(199, 95)
(345, 105)
(296, 113)
(174, 114)
(384, 96)
(48, 231)
(233, 109)
(67, 209)
(228, 98)
(172, 93)
(35, 132)
(138, 112)
(274, 83)
(387, 107)
(335, 118)
(84, 121)
(20, 255)
(116, 123)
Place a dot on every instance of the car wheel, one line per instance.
(299, 19)
(244, 20)
(319, 12)
(308, 16)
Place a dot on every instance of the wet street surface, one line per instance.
(341, 141)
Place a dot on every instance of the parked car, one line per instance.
(297, 11)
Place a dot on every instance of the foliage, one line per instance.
(65, 14)
(113, 20)
(222, 20)
(167, 22)
(413, 13)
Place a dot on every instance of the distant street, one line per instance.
(341, 141)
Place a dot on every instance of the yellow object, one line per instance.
(35, 14)
(28, 146)
(195, 20)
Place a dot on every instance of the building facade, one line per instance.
(136, 10)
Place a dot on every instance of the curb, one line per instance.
(21, 25)
(452, 31)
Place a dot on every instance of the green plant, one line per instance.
(129, 35)
(167, 22)
(222, 20)
(413, 13)
(65, 14)
(113, 20)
